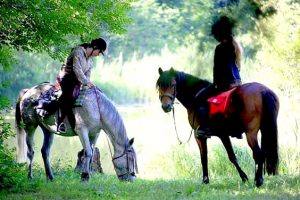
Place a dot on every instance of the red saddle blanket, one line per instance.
(219, 103)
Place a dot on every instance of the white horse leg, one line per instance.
(93, 140)
(48, 140)
(30, 148)
(84, 138)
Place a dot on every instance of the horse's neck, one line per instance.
(187, 88)
(113, 125)
(185, 99)
(118, 145)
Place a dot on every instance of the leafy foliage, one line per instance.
(161, 23)
(30, 70)
(49, 26)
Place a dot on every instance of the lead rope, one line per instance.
(180, 142)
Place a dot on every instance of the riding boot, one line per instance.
(203, 130)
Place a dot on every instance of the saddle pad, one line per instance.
(79, 95)
(219, 103)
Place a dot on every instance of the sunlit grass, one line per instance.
(168, 170)
(67, 185)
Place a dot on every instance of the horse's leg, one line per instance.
(84, 138)
(228, 146)
(258, 157)
(202, 144)
(93, 139)
(48, 140)
(30, 149)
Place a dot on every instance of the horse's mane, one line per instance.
(182, 78)
(190, 80)
(187, 85)
(113, 119)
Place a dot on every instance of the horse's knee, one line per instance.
(252, 140)
(44, 152)
(30, 154)
(88, 153)
(258, 155)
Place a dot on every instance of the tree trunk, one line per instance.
(96, 164)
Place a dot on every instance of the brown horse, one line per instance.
(253, 107)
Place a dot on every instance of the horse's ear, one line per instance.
(172, 70)
(131, 142)
(160, 71)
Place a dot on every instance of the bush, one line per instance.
(11, 173)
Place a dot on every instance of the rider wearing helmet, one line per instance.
(76, 71)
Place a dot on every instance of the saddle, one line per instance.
(47, 103)
(219, 104)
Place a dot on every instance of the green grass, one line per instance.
(67, 185)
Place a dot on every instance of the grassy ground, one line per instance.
(67, 185)
(167, 170)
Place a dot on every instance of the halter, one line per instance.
(172, 97)
(125, 153)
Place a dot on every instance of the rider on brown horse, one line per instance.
(227, 63)
(76, 72)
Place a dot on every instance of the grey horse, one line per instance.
(97, 113)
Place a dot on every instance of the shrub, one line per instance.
(11, 173)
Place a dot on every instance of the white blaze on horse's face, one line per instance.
(167, 96)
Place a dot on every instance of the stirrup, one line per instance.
(61, 128)
(200, 133)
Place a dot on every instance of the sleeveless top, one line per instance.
(226, 72)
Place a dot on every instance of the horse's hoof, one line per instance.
(50, 178)
(29, 176)
(244, 177)
(85, 177)
(259, 182)
(205, 180)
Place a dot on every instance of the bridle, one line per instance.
(126, 153)
(172, 97)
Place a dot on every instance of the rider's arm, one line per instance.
(79, 64)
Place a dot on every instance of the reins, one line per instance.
(180, 142)
(172, 97)
(98, 105)
(125, 149)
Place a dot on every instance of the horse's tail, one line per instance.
(269, 131)
(21, 134)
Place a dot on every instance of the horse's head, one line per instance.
(125, 164)
(166, 85)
